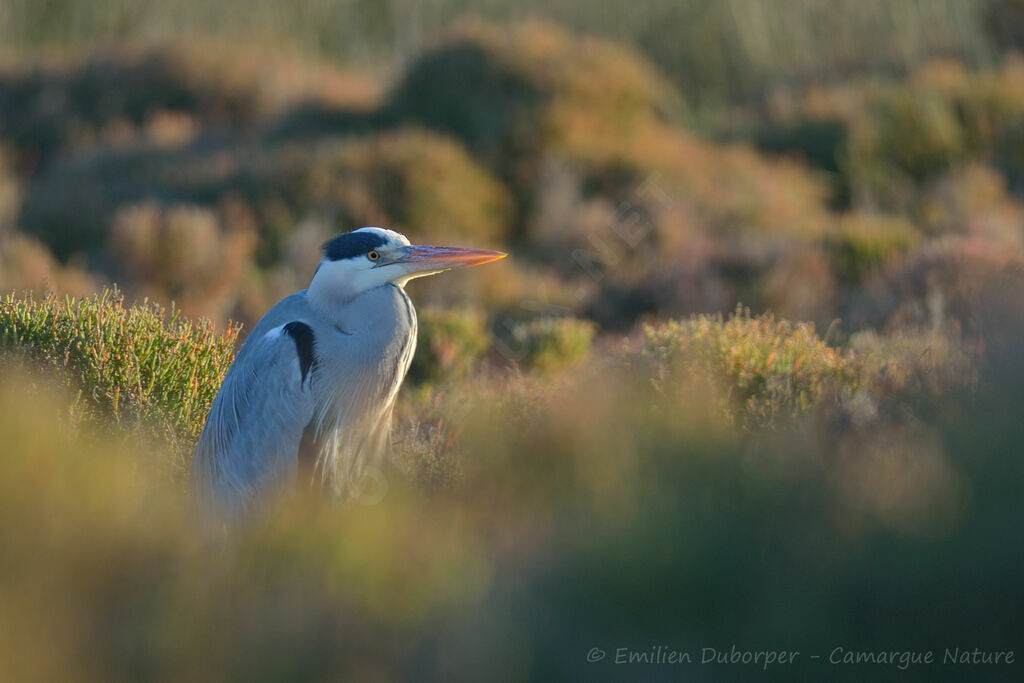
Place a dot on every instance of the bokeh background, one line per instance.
(750, 377)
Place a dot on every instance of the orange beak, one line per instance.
(421, 257)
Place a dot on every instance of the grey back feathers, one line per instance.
(336, 377)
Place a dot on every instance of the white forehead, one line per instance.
(391, 236)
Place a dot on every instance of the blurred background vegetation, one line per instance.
(750, 377)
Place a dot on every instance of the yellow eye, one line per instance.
(373, 255)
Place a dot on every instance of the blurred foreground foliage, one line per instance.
(602, 507)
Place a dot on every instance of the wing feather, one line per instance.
(250, 443)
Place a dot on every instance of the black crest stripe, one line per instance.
(302, 335)
(353, 244)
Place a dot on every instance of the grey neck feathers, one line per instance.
(368, 311)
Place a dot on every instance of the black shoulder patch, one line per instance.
(302, 335)
(352, 244)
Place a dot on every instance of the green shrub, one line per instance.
(449, 342)
(916, 131)
(972, 199)
(509, 93)
(411, 180)
(954, 279)
(887, 137)
(863, 242)
(133, 367)
(914, 363)
(767, 368)
(550, 344)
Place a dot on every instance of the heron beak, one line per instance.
(435, 259)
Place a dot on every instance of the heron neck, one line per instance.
(353, 314)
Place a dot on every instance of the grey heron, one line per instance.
(317, 377)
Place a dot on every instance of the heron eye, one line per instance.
(373, 255)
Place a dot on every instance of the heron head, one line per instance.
(360, 260)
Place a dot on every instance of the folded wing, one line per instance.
(250, 443)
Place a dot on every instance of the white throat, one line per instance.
(338, 283)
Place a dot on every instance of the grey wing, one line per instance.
(249, 446)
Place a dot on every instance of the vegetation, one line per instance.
(137, 368)
(768, 368)
(449, 343)
(615, 209)
(548, 344)
(571, 502)
(863, 242)
(715, 50)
